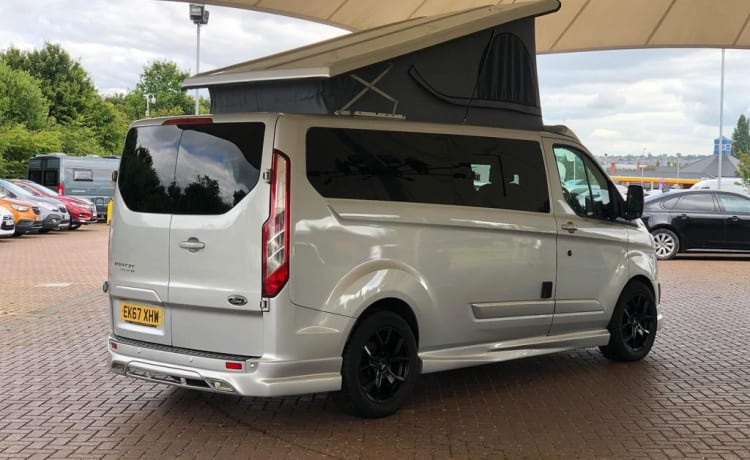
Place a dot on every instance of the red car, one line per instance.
(82, 211)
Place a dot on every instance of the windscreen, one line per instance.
(190, 169)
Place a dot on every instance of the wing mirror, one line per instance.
(634, 202)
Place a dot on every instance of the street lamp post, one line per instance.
(199, 16)
(643, 168)
(678, 165)
(150, 99)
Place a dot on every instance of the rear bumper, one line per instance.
(208, 372)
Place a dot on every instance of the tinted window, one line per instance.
(669, 203)
(584, 185)
(83, 175)
(50, 178)
(217, 165)
(696, 202)
(427, 168)
(734, 203)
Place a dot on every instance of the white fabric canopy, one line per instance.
(579, 25)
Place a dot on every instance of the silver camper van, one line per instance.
(268, 253)
(82, 176)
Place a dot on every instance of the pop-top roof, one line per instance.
(349, 52)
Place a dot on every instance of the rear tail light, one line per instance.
(60, 189)
(276, 229)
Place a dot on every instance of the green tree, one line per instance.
(741, 137)
(64, 82)
(744, 168)
(84, 122)
(129, 106)
(21, 99)
(18, 144)
(79, 139)
(109, 125)
(163, 80)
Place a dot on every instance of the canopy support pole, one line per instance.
(721, 122)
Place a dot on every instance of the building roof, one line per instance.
(709, 167)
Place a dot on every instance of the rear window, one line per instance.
(190, 169)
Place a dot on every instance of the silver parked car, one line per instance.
(54, 214)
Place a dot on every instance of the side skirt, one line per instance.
(453, 358)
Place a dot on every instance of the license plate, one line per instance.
(141, 314)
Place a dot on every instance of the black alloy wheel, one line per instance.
(633, 324)
(380, 366)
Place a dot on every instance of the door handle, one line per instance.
(683, 216)
(192, 244)
(733, 219)
(570, 227)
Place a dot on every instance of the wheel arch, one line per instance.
(642, 279)
(393, 305)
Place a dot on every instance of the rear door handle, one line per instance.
(734, 219)
(192, 244)
(684, 216)
(570, 227)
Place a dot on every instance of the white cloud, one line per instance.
(115, 40)
(661, 101)
(606, 134)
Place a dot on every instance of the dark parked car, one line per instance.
(698, 220)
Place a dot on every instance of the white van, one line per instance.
(275, 254)
(728, 184)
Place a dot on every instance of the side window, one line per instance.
(734, 203)
(511, 174)
(86, 175)
(703, 202)
(670, 203)
(427, 168)
(584, 186)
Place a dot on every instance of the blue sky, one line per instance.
(618, 102)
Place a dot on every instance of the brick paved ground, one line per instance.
(689, 399)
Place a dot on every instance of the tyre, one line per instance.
(380, 366)
(45, 230)
(632, 329)
(667, 243)
(74, 227)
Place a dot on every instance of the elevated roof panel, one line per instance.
(343, 54)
